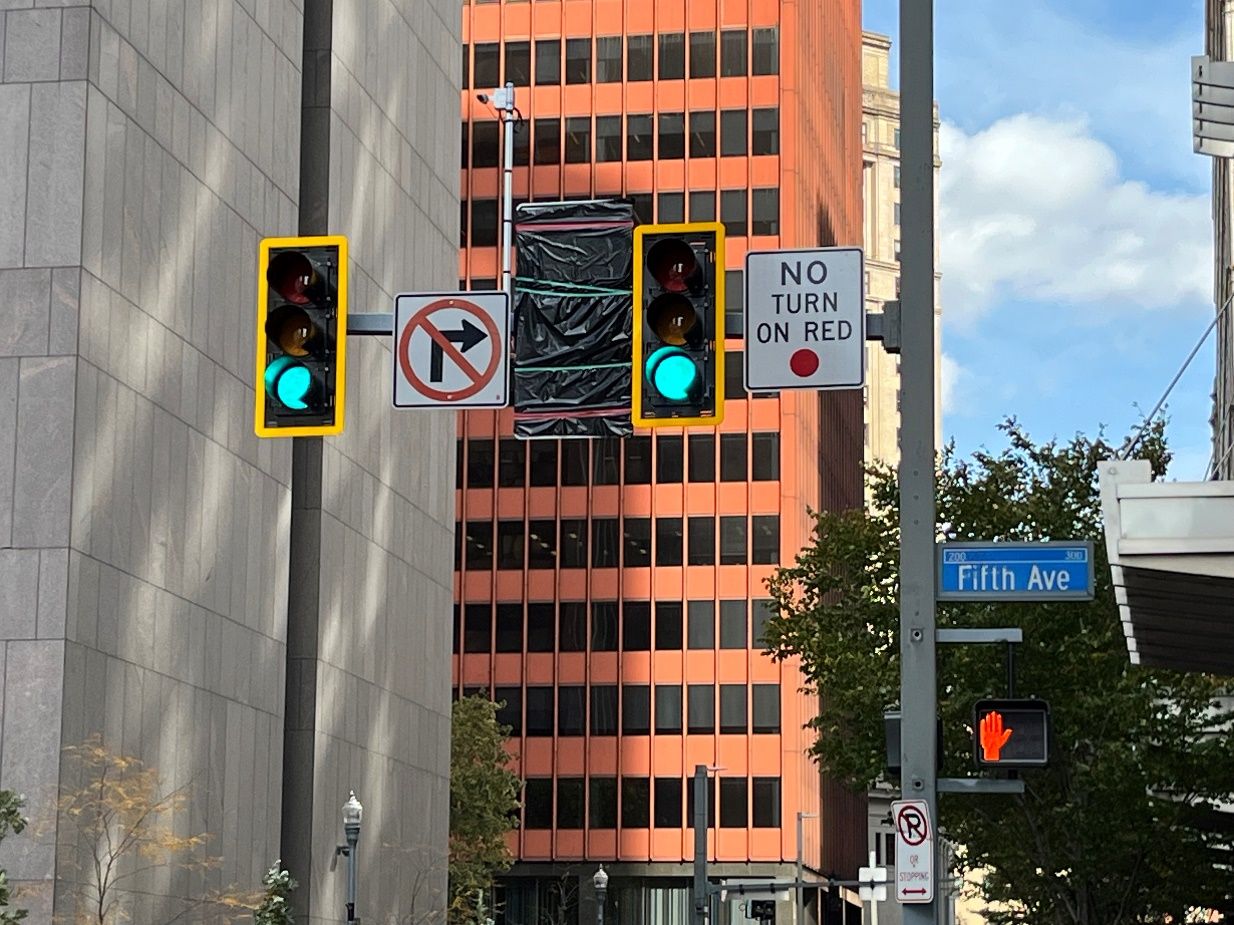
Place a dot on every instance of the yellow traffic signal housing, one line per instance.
(301, 373)
(678, 372)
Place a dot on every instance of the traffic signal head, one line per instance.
(301, 336)
(678, 325)
(1011, 733)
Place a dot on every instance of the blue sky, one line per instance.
(1074, 224)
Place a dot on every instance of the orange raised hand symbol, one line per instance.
(993, 735)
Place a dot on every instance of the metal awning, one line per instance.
(1171, 551)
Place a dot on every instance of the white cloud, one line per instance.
(1033, 208)
(952, 376)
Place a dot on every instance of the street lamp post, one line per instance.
(353, 814)
(600, 882)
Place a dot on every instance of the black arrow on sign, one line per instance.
(466, 337)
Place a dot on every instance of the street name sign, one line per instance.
(914, 851)
(805, 319)
(450, 349)
(996, 571)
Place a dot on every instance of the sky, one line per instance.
(1074, 224)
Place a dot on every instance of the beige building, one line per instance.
(880, 135)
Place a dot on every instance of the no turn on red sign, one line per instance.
(805, 319)
(450, 350)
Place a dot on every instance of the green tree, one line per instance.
(1106, 834)
(484, 803)
(274, 908)
(11, 820)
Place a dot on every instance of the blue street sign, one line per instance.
(1055, 571)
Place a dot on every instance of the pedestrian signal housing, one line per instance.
(678, 372)
(1011, 733)
(301, 341)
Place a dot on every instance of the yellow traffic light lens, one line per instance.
(291, 330)
(292, 276)
(673, 319)
(672, 264)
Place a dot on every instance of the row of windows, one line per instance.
(521, 462)
(742, 53)
(741, 132)
(742, 709)
(564, 626)
(619, 542)
(647, 802)
(735, 213)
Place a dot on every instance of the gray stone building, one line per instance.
(146, 147)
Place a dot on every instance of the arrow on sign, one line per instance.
(919, 891)
(467, 336)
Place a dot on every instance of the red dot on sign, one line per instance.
(804, 362)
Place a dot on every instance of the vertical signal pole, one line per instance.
(918, 691)
(507, 192)
(701, 903)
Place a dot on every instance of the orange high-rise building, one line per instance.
(611, 591)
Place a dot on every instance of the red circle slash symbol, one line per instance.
(443, 346)
(804, 362)
(912, 826)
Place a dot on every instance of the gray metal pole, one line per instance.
(352, 840)
(700, 844)
(801, 913)
(918, 690)
(507, 196)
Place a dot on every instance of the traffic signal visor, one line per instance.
(678, 325)
(301, 336)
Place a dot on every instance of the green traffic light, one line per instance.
(289, 382)
(673, 373)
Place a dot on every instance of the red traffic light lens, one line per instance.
(292, 330)
(292, 276)
(672, 264)
(673, 318)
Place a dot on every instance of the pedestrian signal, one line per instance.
(1011, 733)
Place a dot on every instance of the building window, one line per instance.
(604, 709)
(732, 132)
(711, 802)
(766, 211)
(638, 460)
(635, 709)
(702, 467)
(668, 802)
(635, 802)
(701, 625)
(668, 708)
(510, 539)
(765, 135)
(733, 212)
(636, 626)
(765, 53)
(766, 708)
(702, 205)
(608, 138)
(477, 628)
(895, 250)
(605, 550)
(543, 462)
(548, 141)
(572, 626)
(540, 711)
(733, 802)
(702, 540)
(541, 626)
(636, 541)
(638, 138)
(479, 544)
(733, 624)
(484, 144)
(643, 204)
(734, 303)
(487, 68)
(672, 207)
(700, 709)
(458, 632)
(604, 626)
(511, 462)
(638, 58)
(578, 141)
(703, 133)
(672, 64)
(895, 139)
(571, 709)
(733, 709)
(480, 463)
(760, 614)
(548, 62)
(896, 212)
(733, 540)
(668, 625)
(733, 53)
(518, 63)
(732, 457)
(766, 802)
(538, 803)
(607, 456)
(463, 206)
(895, 176)
(608, 59)
(668, 541)
(542, 544)
(578, 61)
(702, 54)
(570, 802)
(765, 539)
(509, 628)
(510, 708)
(602, 805)
(573, 544)
(672, 135)
(466, 67)
(575, 462)
(766, 457)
